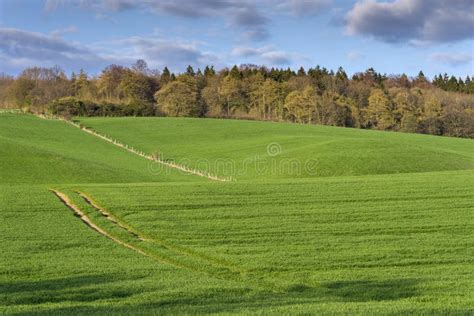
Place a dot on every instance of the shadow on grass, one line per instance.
(365, 290)
(236, 299)
(86, 288)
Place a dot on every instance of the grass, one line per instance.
(261, 150)
(395, 238)
(37, 151)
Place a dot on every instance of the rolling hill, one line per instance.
(264, 150)
(319, 219)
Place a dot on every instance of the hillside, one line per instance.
(250, 149)
(38, 151)
(384, 227)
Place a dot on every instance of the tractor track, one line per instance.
(167, 245)
(210, 267)
(84, 218)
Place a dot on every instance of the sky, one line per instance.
(392, 36)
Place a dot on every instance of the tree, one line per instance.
(37, 86)
(452, 84)
(176, 98)
(190, 71)
(380, 110)
(235, 73)
(331, 109)
(209, 72)
(141, 67)
(301, 72)
(138, 87)
(231, 92)
(349, 114)
(458, 121)
(430, 118)
(265, 96)
(212, 99)
(165, 76)
(109, 82)
(341, 74)
(20, 91)
(408, 109)
(6, 82)
(300, 105)
(82, 87)
(469, 85)
(421, 81)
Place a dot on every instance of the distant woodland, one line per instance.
(369, 100)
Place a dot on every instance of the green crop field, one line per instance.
(319, 220)
(255, 150)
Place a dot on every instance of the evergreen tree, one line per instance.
(190, 71)
(452, 84)
(235, 73)
(209, 72)
(301, 72)
(165, 76)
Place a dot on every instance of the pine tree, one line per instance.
(452, 84)
(209, 72)
(341, 74)
(165, 76)
(235, 73)
(190, 71)
(301, 72)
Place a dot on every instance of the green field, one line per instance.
(240, 148)
(319, 219)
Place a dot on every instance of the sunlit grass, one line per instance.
(270, 243)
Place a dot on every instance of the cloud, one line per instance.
(238, 13)
(277, 58)
(452, 59)
(247, 51)
(266, 54)
(24, 48)
(158, 52)
(61, 32)
(250, 17)
(413, 20)
(256, 34)
(171, 53)
(20, 49)
(354, 56)
(302, 8)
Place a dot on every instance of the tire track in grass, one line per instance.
(84, 218)
(169, 246)
(219, 272)
(111, 217)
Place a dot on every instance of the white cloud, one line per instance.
(354, 55)
(20, 49)
(301, 8)
(243, 14)
(66, 30)
(452, 59)
(413, 20)
(25, 48)
(265, 54)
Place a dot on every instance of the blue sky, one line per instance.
(397, 36)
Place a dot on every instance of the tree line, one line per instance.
(370, 100)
